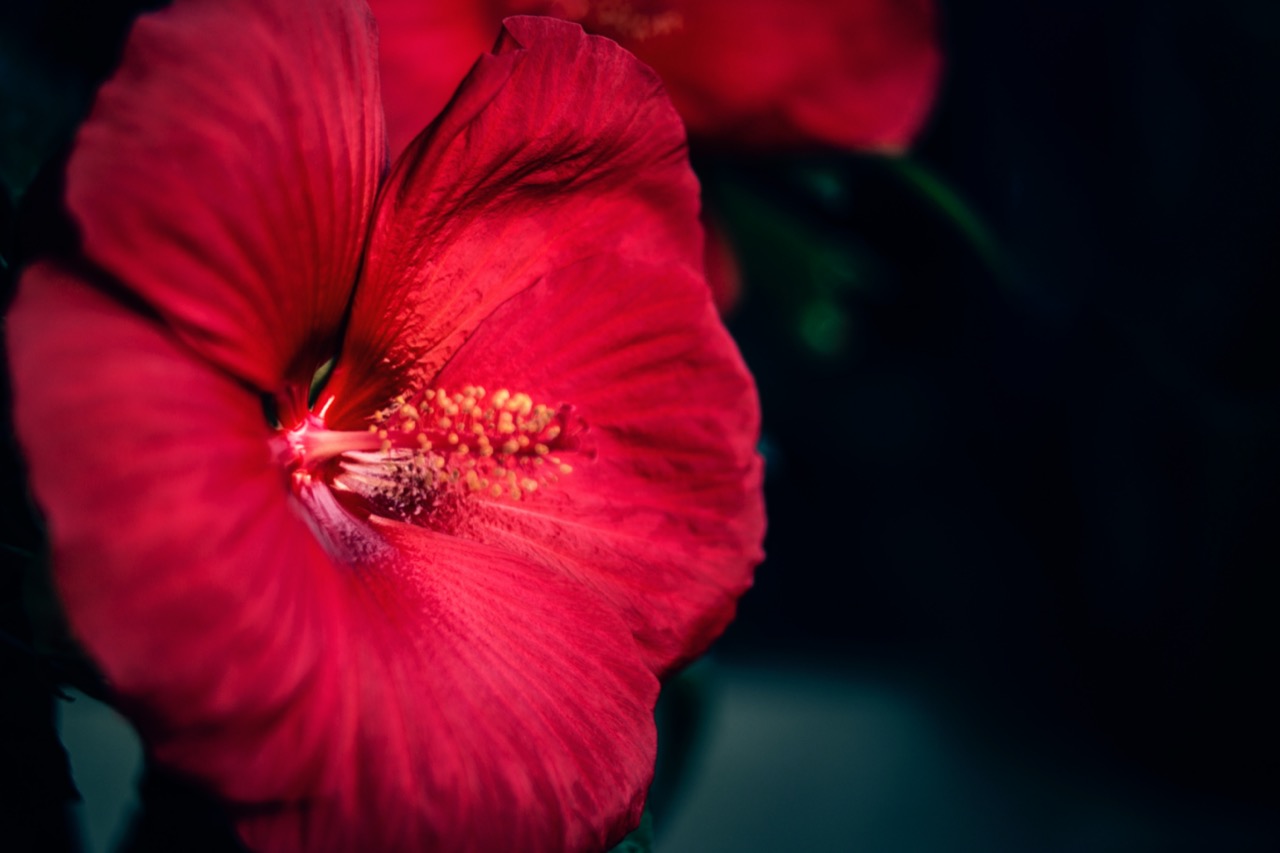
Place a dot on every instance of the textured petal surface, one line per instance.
(227, 171)
(178, 559)
(424, 51)
(853, 74)
(662, 512)
(442, 695)
(559, 146)
(500, 708)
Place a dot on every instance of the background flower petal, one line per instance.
(424, 51)
(667, 519)
(769, 73)
(440, 694)
(724, 273)
(227, 171)
(557, 147)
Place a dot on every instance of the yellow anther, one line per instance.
(503, 445)
(566, 468)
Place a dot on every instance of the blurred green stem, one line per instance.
(953, 207)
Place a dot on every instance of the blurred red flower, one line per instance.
(431, 612)
(857, 74)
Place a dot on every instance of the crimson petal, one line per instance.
(178, 561)
(227, 172)
(776, 73)
(425, 49)
(557, 147)
(666, 520)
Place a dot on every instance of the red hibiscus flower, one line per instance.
(857, 74)
(433, 610)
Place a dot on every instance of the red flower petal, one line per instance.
(667, 519)
(853, 74)
(558, 147)
(227, 172)
(425, 49)
(499, 707)
(446, 696)
(178, 560)
(721, 265)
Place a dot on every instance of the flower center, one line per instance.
(431, 449)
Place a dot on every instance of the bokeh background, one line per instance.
(1021, 417)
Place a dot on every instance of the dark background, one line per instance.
(1020, 403)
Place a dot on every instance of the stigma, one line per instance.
(430, 452)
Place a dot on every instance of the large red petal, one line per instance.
(425, 49)
(227, 172)
(500, 707)
(179, 562)
(854, 73)
(667, 519)
(441, 696)
(558, 147)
